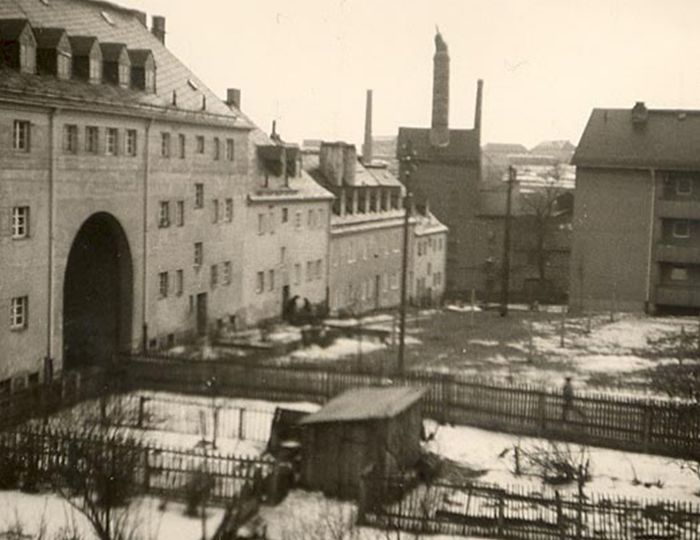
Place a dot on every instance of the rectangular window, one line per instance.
(271, 279)
(92, 139)
(319, 268)
(19, 312)
(215, 210)
(20, 136)
(297, 274)
(297, 220)
(131, 142)
(227, 273)
(198, 254)
(199, 195)
(200, 144)
(320, 217)
(283, 254)
(20, 222)
(165, 145)
(180, 209)
(271, 221)
(112, 142)
(95, 70)
(285, 215)
(229, 149)
(163, 285)
(309, 271)
(179, 282)
(164, 214)
(684, 186)
(681, 228)
(181, 143)
(214, 275)
(260, 282)
(70, 138)
(229, 210)
(217, 148)
(678, 274)
(261, 223)
(310, 220)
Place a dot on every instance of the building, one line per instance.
(287, 232)
(375, 430)
(427, 260)
(636, 229)
(447, 175)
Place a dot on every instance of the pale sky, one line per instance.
(545, 63)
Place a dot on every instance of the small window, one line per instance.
(271, 280)
(285, 215)
(681, 228)
(20, 136)
(229, 210)
(165, 145)
(271, 221)
(260, 282)
(261, 223)
(226, 278)
(214, 275)
(179, 282)
(229, 149)
(92, 139)
(164, 214)
(217, 148)
(182, 145)
(297, 220)
(310, 219)
(19, 312)
(309, 271)
(200, 144)
(131, 142)
(319, 268)
(180, 213)
(112, 142)
(678, 274)
(283, 254)
(70, 138)
(215, 210)
(107, 17)
(198, 254)
(684, 186)
(163, 285)
(199, 195)
(95, 71)
(20, 222)
(297, 274)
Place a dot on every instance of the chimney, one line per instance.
(367, 146)
(158, 27)
(337, 163)
(233, 98)
(640, 114)
(477, 110)
(439, 133)
(141, 16)
(349, 164)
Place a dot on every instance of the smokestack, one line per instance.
(439, 133)
(477, 110)
(367, 146)
(233, 98)
(158, 27)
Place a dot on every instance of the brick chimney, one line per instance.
(439, 132)
(158, 27)
(367, 146)
(337, 162)
(477, 110)
(233, 98)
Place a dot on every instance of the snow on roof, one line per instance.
(366, 404)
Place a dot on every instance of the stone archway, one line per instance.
(97, 294)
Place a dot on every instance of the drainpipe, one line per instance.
(47, 371)
(144, 254)
(652, 220)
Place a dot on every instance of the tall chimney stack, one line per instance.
(440, 131)
(158, 28)
(367, 146)
(233, 98)
(477, 110)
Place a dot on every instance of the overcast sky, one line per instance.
(545, 63)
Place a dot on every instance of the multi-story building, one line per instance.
(427, 258)
(636, 228)
(448, 175)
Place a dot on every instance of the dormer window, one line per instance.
(87, 58)
(54, 52)
(27, 54)
(143, 70)
(116, 66)
(63, 65)
(95, 70)
(17, 45)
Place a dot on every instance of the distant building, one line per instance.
(636, 229)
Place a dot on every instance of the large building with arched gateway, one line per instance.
(126, 190)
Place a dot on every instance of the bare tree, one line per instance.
(681, 378)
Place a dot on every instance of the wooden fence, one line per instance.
(473, 509)
(660, 426)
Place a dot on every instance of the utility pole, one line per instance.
(505, 277)
(409, 167)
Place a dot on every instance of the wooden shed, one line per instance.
(361, 429)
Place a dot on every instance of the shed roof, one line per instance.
(373, 403)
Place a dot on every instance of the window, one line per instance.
(163, 285)
(20, 222)
(179, 282)
(261, 223)
(200, 144)
(164, 214)
(217, 149)
(309, 271)
(321, 217)
(27, 57)
(214, 275)
(165, 145)
(95, 70)
(123, 75)
(198, 254)
(112, 141)
(271, 276)
(229, 149)
(678, 274)
(310, 220)
(297, 274)
(229, 210)
(70, 138)
(319, 268)
(92, 139)
(260, 282)
(271, 221)
(20, 136)
(684, 186)
(182, 145)
(285, 215)
(297, 220)
(18, 312)
(199, 195)
(681, 228)
(227, 273)
(130, 142)
(180, 213)
(215, 210)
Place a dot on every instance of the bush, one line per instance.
(197, 492)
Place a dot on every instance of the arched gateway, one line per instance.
(97, 293)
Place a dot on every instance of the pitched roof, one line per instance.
(111, 52)
(48, 38)
(463, 145)
(82, 45)
(504, 148)
(373, 403)
(10, 29)
(139, 57)
(85, 18)
(668, 139)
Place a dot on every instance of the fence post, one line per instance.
(560, 516)
(501, 512)
(241, 420)
(146, 470)
(362, 498)
(142, 402)
(648, 419)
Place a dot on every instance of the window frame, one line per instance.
(19, 313)
(228, 210)
(200, 145)
(678, 183)
(230, 150)
(684, 222)
(198, 254)
(92, 139)
(163, 214)
(179, 282)
(112, 148)
(21, 136)
(20, 222)
(217, 149)
(70, 138)
(165, 142)
(131, 142)
(180, 213)
(182, 145)
(199, 195)
(163, 285)
(260, 282)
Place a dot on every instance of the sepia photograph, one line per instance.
(349, 270)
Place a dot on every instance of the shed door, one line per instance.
(351, 462)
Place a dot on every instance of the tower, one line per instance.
(440, 131)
